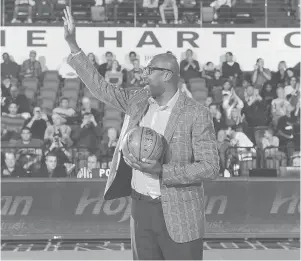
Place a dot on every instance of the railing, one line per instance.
(246, 13)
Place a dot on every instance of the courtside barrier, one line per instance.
(74, 209)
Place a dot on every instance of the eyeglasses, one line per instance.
(150, 69)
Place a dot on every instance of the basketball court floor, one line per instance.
(107, 250)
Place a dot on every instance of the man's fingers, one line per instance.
(69, 14)
(148, 161)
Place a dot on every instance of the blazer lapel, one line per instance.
(173, 119)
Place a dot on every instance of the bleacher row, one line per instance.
(254, 13)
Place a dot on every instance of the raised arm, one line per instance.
(102, 90)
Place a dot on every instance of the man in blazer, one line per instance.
(168, 214)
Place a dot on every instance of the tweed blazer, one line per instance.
(191, 155)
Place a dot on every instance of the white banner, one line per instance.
(273, 45)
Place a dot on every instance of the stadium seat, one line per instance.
(51, 76)
(48, 93)
(51, 84)
(112, 114)
(73, 103)
(197, 84)
(72, 83)
(109, 123)
(30, 94)
(31, 83)
(47, 105)
(95, 103)
(207, 14)
(69, 93)
(98, 14)
(200, 96)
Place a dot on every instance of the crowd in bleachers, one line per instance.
(155, 12)
(51, 123)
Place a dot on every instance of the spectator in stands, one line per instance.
(109, 143)
(115, 76)
(9, 68)
(218, 120)
(45, 7)
(59, 126)
(87, 172)
(51, 169)
(208, 71)
(23, 4)
(279, 76)
(280, 106)
(208, 101)
(59, 148)
(288, 74)
(254, 108)
(189, 68)
(260, 74)
(285, 132)
(103, 68)
(135, 75)
(31, 68)
(29, 152)
(189, 11)
(12, 123)
(88, 134)
(5, 90)
(168, 4)
(10, 169)
(64, 108)
(132, 58)
(149, 11)
(223, 143)
(86, 108)
(17, 98)
(92, 59)
(215, 87)
(230, 99)
(230, 68)
(223, 10)
(38, 123)
(269, 140)
(291, 89)
(66, 71)
(268, 93)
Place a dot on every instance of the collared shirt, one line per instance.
(155, 118)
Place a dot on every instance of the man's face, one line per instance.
(227, 86)
(209, 100)
(37, 112)
(51, 162)
(65, 104)
(132, 57)
(86, 103)
(213, 110)
(10, 160)
(5, 57)
(25, 135)
(112, 134)
(92, 162)
(32, 56)
(260, 63)
(229, 57)
(14, 92)
(109, 57)
(188, 54)
(250, 90)
(155, 80)
(136, 64)
(267, 134)
(13, 109)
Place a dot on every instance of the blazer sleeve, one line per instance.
(206, 160)
(116, 97)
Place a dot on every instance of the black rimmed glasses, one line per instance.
(148, 70)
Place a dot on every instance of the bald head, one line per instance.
(166, 61)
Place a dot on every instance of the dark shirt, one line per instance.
(219, 124)
(256, 114)
(31, 69)
(285, 125)
(278, 78)
(9, 70)
(37, 128)
(229, 70)
(191, 72)
(103, 68)
(18, 172)
(43, 172)
(21, 100)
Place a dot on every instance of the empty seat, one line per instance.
(51, 84)
(72, 103)
(48, 93)
(197, 84)
(47, 105)
(71, 94)
(51, 76)
(110, 123)
(72, 83)
(30, 83)
(30, 94)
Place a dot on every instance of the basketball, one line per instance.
(143, 142)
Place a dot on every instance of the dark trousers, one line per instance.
(150, 238)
